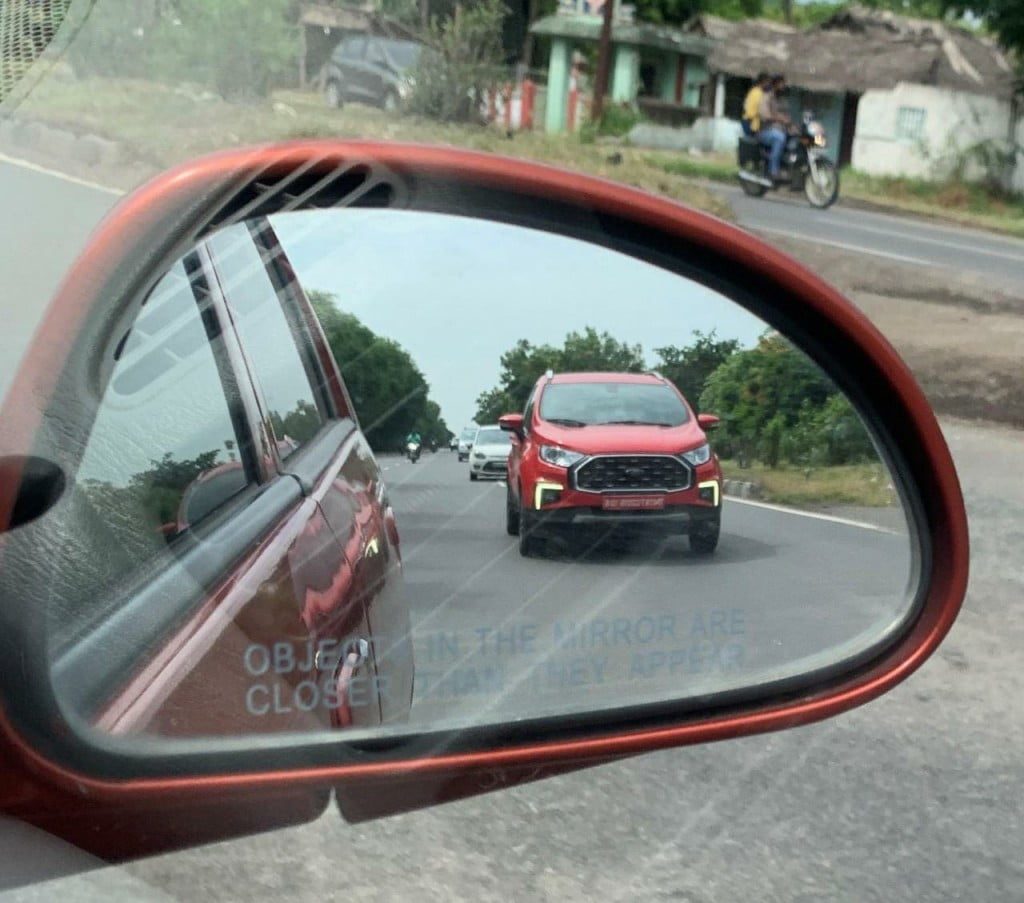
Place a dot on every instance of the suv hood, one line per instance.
(622, 438)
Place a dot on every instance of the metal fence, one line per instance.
(26, 28)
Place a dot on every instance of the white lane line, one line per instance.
(920, 223)
(1016, 256)
(815, 515)
(915, 220)
(35, 167)
(771, 230)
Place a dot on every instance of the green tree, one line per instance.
(690, 366)
(237, 48)
(771, 380)
(387, 388)
(1004, 17)
(523, 364)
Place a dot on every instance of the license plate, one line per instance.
(633, 502)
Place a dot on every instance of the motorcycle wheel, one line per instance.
(822, 189)
(752, 188)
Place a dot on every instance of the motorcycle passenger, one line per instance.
(751, 120)
(774, 125)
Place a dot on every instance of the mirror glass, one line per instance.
(251, 545)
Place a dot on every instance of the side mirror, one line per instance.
(512, 423)
(708, 422)
(290, 648)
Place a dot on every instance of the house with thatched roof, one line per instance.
(897, 95)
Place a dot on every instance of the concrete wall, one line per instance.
(952, 121)
(1017, 177)
(706, 134)
(625, 74)
(696, 75)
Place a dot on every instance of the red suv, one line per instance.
(595, 450)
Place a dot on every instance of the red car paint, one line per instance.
(549, 495)
(127, 815)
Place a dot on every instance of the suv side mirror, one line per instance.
(708, 422)
(512, 423)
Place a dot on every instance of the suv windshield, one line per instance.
(587, 404)
(402, 53)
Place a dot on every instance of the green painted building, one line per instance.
(659, 69)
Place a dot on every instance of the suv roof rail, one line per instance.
(656, 374)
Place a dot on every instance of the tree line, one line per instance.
(243, 49)
(776, 405)
(389, 392)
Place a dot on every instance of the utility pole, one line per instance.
(604, 60)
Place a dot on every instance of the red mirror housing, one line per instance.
(512, 423)
(708, 422)
(42, 758)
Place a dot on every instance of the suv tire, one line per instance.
(511, 513)
(334, 95)
(528, 543)
(704, 536)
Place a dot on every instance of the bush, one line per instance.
(451, 81)
(618, 120)
(240, 50)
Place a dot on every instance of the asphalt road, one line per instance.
(915, 797)
(910, 240)
(44, 223)
(500, 636)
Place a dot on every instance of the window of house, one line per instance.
(910, 122)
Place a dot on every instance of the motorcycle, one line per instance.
(804, 165)
(412, 450)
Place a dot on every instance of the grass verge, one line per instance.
(866, 485)
(168, 124)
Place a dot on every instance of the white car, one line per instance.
(489, 455)
(466, 442)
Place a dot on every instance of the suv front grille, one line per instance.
(632, 473)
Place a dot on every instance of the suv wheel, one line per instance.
(704, 536)
(511, 513)
(333, 95)
(528, 543)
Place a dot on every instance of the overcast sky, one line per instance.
(456, 293)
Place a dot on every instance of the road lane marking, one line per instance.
(944, 243)
(771, 230)
(815, 515)
(848, 216)
(35, 167)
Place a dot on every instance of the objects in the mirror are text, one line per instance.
(578, 654)
(309, 676)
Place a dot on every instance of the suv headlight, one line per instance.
(560, 457)
(479, 456)
(699, 455)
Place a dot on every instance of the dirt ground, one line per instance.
(962, 336)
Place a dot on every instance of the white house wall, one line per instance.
(951, 121)
(1017, 178)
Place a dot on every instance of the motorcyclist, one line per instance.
(751, 120)
(774, 125)
(413, 438)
